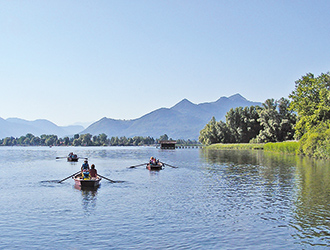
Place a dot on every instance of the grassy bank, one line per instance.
(289, 147)
(242, 146)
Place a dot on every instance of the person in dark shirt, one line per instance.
(93, 171)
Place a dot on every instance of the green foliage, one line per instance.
(186, 142)
(208, 133)
(273, 122)
(243, 123)
(311, 101)
(77, 140)
(277, 121)
(316, 142)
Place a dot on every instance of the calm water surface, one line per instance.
(214, 200)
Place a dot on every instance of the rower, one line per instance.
(93, 171)
(84, 168)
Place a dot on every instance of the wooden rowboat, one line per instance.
(91, 182)
(72, 159)
(158, 166)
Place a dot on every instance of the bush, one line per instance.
(316, 143)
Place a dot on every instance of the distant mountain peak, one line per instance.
(184, 106)
(237, 97)
(185, 101)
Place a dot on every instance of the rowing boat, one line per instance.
(90, 182)
(72, 159)
(157, 166)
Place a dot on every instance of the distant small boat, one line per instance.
(91, 182)
(72, 159)
(158, 166)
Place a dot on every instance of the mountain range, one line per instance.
(17, 127)
(182, 121)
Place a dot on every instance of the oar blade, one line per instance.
(138, 165)
(169, 165)
(107, 178)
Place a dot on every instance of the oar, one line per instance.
(107, 178)
(60, 157)
(169, 165)
(138, 165)
(69, 177)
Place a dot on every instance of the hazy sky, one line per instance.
(78, 61)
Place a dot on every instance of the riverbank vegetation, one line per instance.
(289, 147)
(88, 140)
(76, 140)
(304, 118)
(239, 146)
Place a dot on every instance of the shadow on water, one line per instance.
(287, 184)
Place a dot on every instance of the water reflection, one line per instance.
(312, 216)
(89, 198)
(291, 191)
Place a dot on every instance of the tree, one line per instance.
(163, 137)
(243, 123)
(311, 101)
(103, 139)
(86, 139)
(209, 134)
(277, 121)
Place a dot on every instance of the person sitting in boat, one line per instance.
(93, 171)
(70, 155)
(84, 168)
(153, 161)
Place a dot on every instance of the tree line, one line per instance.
(85, 140)
(273, 122)
(311, 101)
(304, 117)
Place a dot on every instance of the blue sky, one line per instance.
(79, 61)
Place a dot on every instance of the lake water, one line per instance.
(214, 200)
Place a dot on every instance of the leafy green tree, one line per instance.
(66, 141)
(51, 140)
(35, 141)
(277, 121)
(77, 142)
(86, 139)
(8, 141)
(114, 141)
(311, 101)
(103, 139)
(223, 132)
(209, 134)
(243, 123)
